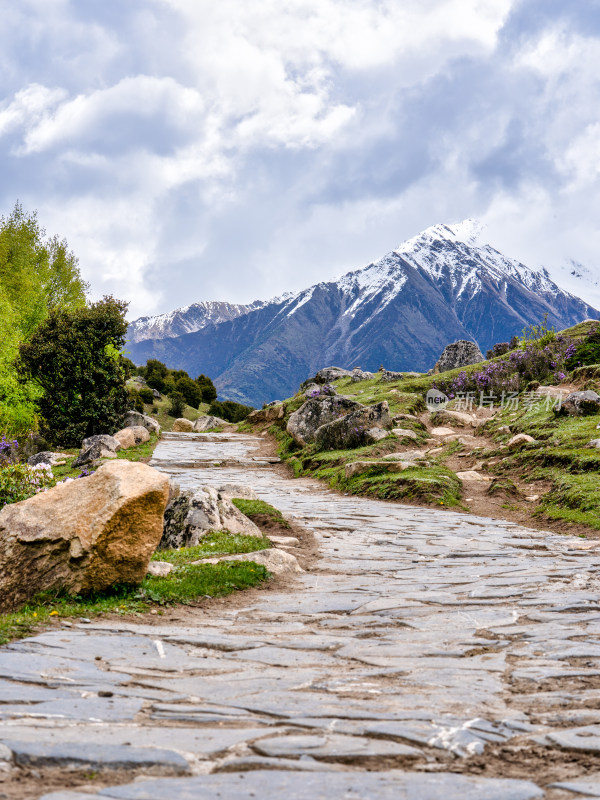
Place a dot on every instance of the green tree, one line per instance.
(177, 406)
(190, 390)
(74, 357)
(227, 409)
(209, 393)
(155, 374)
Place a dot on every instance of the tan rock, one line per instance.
(182, 425)
(131, 437)
(268, 414)
(404, 433)
(275, 560)
(442, 432)
(284, 541)
(82, 536)
(519, 440)
(471, 475)
(159, 569)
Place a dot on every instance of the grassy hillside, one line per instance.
(553, 482)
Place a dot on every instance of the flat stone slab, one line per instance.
(333, 745)
(94, 756)
(586, 738)
(326, 786)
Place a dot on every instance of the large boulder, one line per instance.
(107, 442)
(183, 425)
(360, 375)
(82, 536)
(270, 413)
(458, 354)
(132, 437)
(134, 418)
(206, 423)
(192, 514)
(580, 404)
(303, 423)
(358, 428)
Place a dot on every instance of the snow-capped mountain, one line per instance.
(188, 319)
(400, 311)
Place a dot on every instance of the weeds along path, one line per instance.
(424, 656)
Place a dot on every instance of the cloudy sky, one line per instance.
(196, 150)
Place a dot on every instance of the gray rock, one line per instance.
(328, 785)
(581, 404)
(230, 490)
(359, 375)
(328, 374)
(156, 394)
(404, 433)
(134, 418)
(98, 756)
(46, 457)
(595, 443)
(192, 514)
(303, 423)
(458, 354)
(206, 423)
(160, 569)
(333, 745)
(387, 375)
(354, 429)
(107, 442)
(92, 455)
(279, 562)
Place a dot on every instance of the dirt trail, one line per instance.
(422, 656)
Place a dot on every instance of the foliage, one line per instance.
(544, 360)
(502, 348)
(19, 482)
(209, 393)
(129, 368)
(155, 373)
(587, 351)
(136, 400)
(177, 405)
(190, 390)
(146, 394)
(74, 358)
(230, 411)
(37, 274)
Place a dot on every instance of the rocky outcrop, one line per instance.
(132, 437)
(82, 536)
(303, 423)
(329, 374)
(46, 457)
(581, 404)
(192, 514)
(107, 442)
(92, 455)
(458, 354)
(183, 425)
(207, 423)
(134, 418)
(269, 413)
(358, 428)
(359, 375)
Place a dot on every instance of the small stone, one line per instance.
(276, 561)
(404, 433)
(159, 569)
(532, 498)
(595, 443)
(519, 440)
(472, 475)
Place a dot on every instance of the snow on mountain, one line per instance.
(444, 284)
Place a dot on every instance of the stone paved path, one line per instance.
(425, 652)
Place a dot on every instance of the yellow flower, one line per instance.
(54, 613)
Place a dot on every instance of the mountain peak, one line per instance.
(468, 232)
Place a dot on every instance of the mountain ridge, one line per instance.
(401, 311)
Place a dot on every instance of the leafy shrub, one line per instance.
(74, 358)
(177, 405)
(230, 411)
(189, 389)
(135, 400)
(147, 395)
(502, 348)
(9, 450)
(19, 482)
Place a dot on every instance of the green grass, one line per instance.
(213, 544)
(186, 584)
(255, 509)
